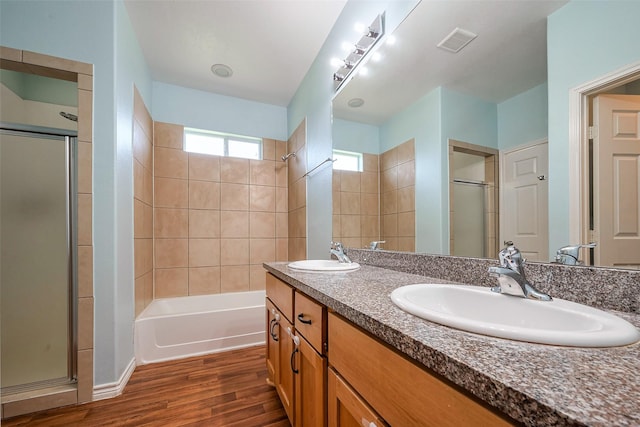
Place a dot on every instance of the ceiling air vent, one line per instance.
(456, 40)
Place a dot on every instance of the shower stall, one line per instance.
(37, 258)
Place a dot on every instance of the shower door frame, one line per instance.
(71, 163)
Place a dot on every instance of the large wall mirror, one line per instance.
(455, 141)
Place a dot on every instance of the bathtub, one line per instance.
(175, 328)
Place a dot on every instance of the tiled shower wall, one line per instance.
(142, 203)
(216, 219)
(356, 207)
(297, 184)
(397, 197)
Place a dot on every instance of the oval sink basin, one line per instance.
(323, 265)
(477, 309)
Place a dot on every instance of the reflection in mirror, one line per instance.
(492, 94)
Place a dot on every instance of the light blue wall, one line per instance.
(356, 137)
(437, 117)
(586, 40)
(206, 110)
(131, 70)
(423, 122)
(523, 118)
(313, 102)
(469, 119)
(99, 33)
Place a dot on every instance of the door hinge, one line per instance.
(593, 132)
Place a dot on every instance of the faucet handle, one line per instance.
(510, 257)
(572, 251)
(376, 244)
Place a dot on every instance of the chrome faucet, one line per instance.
(510, 275)
(338, 250)
(376, 244)
(569, 254)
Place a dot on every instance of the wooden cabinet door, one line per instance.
(310, 384)
(346, 408)
(283, 372)
(273, 316)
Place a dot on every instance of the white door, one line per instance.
(524, 212)
(616, 185)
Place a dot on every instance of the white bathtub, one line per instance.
(175, 328)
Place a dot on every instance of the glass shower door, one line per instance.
(469, 219)
(35, 263)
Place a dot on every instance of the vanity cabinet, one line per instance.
(403, 393)
(296, 361)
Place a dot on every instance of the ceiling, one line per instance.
(269, 44)
(508, 57)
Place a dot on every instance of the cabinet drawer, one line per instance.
(367, 365)
(310, 321)
(281, 295)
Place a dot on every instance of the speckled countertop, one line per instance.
(538, 385)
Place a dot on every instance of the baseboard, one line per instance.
(107, 391)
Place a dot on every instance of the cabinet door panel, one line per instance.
(272, 343)
(311, 390)
(284, 374)
(346, 408)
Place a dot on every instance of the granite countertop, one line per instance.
(535, 384)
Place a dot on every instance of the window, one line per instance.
(347, 161)
(221, 144)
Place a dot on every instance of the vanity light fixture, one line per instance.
(358, 52)
(222, 70)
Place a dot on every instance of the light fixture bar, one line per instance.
(360, 50)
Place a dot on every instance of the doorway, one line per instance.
(72, 381)
(473, 200)
(583, 203)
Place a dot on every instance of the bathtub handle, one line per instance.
(301, 319)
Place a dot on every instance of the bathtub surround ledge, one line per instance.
(536, 385)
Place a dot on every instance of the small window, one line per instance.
(347, 161)
(221, 144)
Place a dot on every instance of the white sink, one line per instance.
(323, 265)
(477, 309)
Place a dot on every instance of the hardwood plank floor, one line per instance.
(223, 389)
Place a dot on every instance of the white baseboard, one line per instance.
(107, 391)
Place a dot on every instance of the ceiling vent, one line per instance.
(456, 40)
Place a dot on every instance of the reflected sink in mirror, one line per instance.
(478, 309)
(323, 265)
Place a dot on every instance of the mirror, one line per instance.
(444, 103)
(427, 102)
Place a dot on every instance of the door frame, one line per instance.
(579, 144)
(503, 153)
(492, 168)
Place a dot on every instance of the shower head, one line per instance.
(69, 116)
(286, 156)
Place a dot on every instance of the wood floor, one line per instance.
(224, 389)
